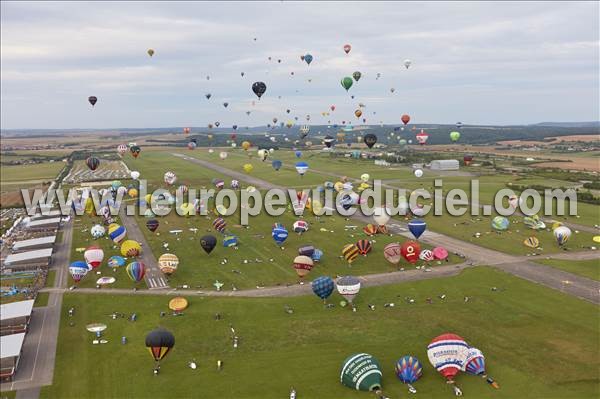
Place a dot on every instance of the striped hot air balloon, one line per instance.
(382, 229)
(364, 246)
(426, 255)
(447, 353)
(93, 256)
(219, 225)
(350, 252)
(348, 287)
(531, 242)
(475, 365)
(136, 271)
(229, 240)
(116, 232)
(78, 270)
(409, 370)
(370, 229)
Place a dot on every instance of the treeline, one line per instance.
(582, 196)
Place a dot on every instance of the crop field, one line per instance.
(107, 170)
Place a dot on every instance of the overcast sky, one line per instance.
(480, 63)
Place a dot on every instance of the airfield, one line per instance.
(537, 302)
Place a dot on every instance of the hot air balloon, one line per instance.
(347, 48)
(531, 242)
(135, 150)
(192, 145)
(92, 163)
(136, 271)
(150, 52)
(409, 370)
(303, 265)
(410, 250)
(440, 253)
(97, 231)
(300, 226)
(370, 140)
(159, 342)
(93, 257)
(308, 58)
(122, 148)
(301, 168)
(475, 365)
(78, 270)
(362, 372)
(358, 113)
(346, 82)
(356, 75)
(562, 234)
(500, 223)
(350, 253)
(392, 253)
(263, 154)
(246, 145)
(279, 233)
(248, 167)
(422, 137)
(448, 353)
(407, 63)
(307, 250)
(259, 88)
(116, 232)
(468, 159)
(208, 96)
(426, 255)
(454, 136)
(417, 227)
(364, 246)
(328, 140)
(230, 240)
(304, 131)
(381, 215)
(348, 287)
(170, 178)
(131, 248)
(135, 174)
(323, 287)
(276, 164)
(208, 243)
(92, 100)
(167, 263)
(370, 229)
(219, 224)
(405, 119)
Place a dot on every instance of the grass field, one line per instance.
(22, 173)
(526, 342)
(41, 299)
(585, 268)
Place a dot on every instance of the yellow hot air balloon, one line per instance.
(131, 248)
(248, 168)
(89, 206)
(338, 186)
(246, 145)
(350, 252)
(133, 192)
(148, 198)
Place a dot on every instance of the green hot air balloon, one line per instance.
(347, 83)
(361, 371)
(454, 136)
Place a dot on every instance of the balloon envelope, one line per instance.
(323, 286)
(362, 372)
(208, 243)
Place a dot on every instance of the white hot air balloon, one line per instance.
(381, 215)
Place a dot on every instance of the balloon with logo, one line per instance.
(417, 227)
(263, 154)
(392, 253)
(362, 372)
(475, 365)
(167, 263)
(279, 233)
(131, 248)
(562, 234)
(136, 271)
(448, 353)
(303, 265)
(500, 223)
(323, 287)
(410, 250)
(409, 370)
(348, 287)
(350, 253)
(97, 231)
(78, 270)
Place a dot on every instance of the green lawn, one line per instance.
(586, 268)
(41, 299)
(8, 394)
(42, 171)
(527, 332)
(50, 278)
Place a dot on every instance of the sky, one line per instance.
(475, 62)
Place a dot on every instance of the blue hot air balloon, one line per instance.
(417, 227)
(301, 168)
(229, 240)
(409, 370)
(276, 164)
(317, 255)
(298, 154)
(323, 287)
(308, 58)
(279, 233)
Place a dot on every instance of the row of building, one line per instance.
(14, 323)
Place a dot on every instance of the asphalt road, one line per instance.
(580, 287)
(154, 278)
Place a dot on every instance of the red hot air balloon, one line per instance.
(410, 250)
(347, 48)
(405, 119)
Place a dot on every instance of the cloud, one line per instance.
(485, 62)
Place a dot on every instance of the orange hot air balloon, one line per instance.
(358, 113)
(405, 119)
